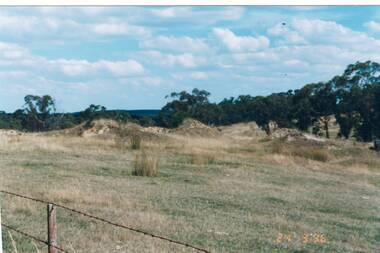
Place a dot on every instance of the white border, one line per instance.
(185, 2)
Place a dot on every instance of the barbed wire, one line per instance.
(108, 222)
(32, 237)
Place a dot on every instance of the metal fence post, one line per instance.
(52, 228)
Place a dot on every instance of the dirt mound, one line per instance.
(191, 127)
(4, 132)
(99, 127)
(105, 128)
(293, 134)
(110, 129)
(242, 130)
(155, 130)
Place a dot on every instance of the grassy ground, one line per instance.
(222, 194)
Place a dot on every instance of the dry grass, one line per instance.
(145, 165)
(301, 149)
(135, 140)
(202, 159)
(128, 138)
(223, 194)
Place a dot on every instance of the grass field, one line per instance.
(224, 194)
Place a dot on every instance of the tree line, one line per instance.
(352, 98)
(39, 114)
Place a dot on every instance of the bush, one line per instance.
(145, 165)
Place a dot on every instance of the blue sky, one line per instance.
(131, 57)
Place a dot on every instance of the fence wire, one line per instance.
(107, 222)
(32, 237)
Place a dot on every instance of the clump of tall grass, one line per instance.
(128, 139)
(145, 165)
(135, 141)
(316, 154)
(301, 149)
(201, 159)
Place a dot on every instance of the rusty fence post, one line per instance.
(52, 228)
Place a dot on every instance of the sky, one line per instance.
(132, 57)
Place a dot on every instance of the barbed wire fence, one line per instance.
(52, 227)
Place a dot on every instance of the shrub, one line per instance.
(145, 165)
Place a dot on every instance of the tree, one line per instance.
(93, 111)
(376, 110)
(323, 101)
(229, 113)
(279, 105)
(11, 120)
(185, 105)
(38, 110)
(314, 104)
(302, 109)
(146, 121)
(262, 113)
(356, 99)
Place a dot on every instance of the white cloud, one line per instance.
(181, 44)
(199, 75)
(329, 32)
(171, 12)
(319, 32)
(373, 26)
(13, 74)
(23, 25)
(17, 25)
(307, 8)
(199, 15)
(303, 51)
(119, 28)
(195, 75)
(19, 59)
(74, 67)
(174, 46)
(13, 55)
(11, 51)
(83, 67)
(240, 43)
(289, 36)
(122, 68)
(72, 12)
(142, 81)
(185, 60)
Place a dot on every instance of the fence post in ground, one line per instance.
(1, 235)
(52, 228)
